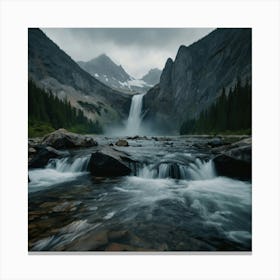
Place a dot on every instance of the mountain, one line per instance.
(197, 76)
(113, 75)
(152, 77)
(53, 70)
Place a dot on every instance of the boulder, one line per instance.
(229, 166)
(122, 143)
(235, 160)
(63, 139)
(247, 142)
(43, 155)
(109, 163)
(243, 153)
(216, 142)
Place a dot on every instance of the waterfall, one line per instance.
(134, 118)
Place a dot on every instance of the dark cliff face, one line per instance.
(51, 68)
(196, 77)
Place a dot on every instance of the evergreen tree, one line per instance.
(46, 112)
(230, 113)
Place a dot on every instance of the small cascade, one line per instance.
(134, 118)
(196, 170)
(201, 170)
(79, 164)
(58, 171)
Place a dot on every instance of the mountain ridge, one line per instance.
(52, 69)
(193, 81)
(108, 72)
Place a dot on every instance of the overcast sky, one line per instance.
(136, 49)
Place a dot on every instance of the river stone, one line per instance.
(115, 235)
(91, 241)
(31, 150)
(63, 139)
(216, 142)
(125, 247)
(108, 163)
(122, 143)
(42, 157)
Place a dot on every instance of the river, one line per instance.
(172, 201)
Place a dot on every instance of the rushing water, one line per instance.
(134, 118)
(173, 200)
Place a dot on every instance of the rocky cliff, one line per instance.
(51, 68)
(194, 80)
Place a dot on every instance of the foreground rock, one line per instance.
(235, 160)
(43, 155)
(63, 139)
(228, 166)
(109, 163)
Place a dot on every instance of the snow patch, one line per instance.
(134, 83)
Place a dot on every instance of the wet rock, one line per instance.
(136, 241)
(119, 247)
(109, 163)
(89, 242)
(235, 160)
(115, 235)
(66, 207)
(48, 204)
(31, 150)
(34, 142)
(241, 153)
(124, 247)
(192, 244)
(231, 167)
(247, 142)
(137, 137)
(216, 142)
(63, 139)
(122, 143)
(42, 157)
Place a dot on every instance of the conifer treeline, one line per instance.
(231, 112)
(47, 112)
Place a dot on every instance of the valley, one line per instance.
(157, 163)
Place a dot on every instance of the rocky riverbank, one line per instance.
(232, 155)
(116, 194)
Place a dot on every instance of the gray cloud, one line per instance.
(136, 49)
